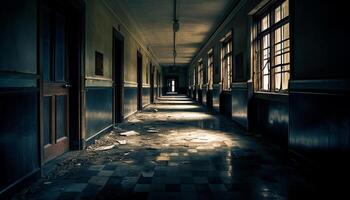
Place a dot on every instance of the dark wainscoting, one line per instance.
(209, 98)
(204, 95)
(130, 99)
(146, 92)
(19, 95)
(200, 97)
(216, 98)
(182, 90)
(155, 93)
(194, 94)
(225, 103)
(189, 92)
(270, 114)
(99, 110)
(320, 121)
(240, 101)
(19, 135)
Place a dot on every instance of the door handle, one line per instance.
(67, 86)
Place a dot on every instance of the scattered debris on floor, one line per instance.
(121, 141)
(157, 147)
(129, 133)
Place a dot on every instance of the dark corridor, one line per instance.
(174, 99)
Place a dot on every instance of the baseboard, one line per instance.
(97, 135)
(129, 115)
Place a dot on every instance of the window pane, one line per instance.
(285, 9)
(266, 67)
(278, 14)
(278, 34)
(286, 58)
(278, 78)
(265, 82)
(286, 45)
(266, 41)
(286, 31)
(285, 80)
(265, 23)
(286, 68)
(278, 60)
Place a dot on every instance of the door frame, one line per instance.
(118, 82)
(139, 80)
(176, 78)
(152, 83)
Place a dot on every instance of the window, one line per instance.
(226, 62)
(200, 73)
(210, 69)
(147, 72)
(273, 49)
(194, 76)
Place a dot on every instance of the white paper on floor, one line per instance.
(121, 141)
(129, 133)
(134, 120)
(152, 131)
(104, 148)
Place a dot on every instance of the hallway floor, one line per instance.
(183, 152)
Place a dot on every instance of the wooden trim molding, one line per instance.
(320, 85)
(16, 80)
(130, 84)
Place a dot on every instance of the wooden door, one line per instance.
(53, 60)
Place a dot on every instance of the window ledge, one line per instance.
(272, 96)
(272, 93)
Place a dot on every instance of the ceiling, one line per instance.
(198, 19)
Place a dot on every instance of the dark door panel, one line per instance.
(53, 60)
(118, 75)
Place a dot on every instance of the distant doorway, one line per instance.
(118, 75)
(139, 81)
(172, 85)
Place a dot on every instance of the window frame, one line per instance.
(226, 61)
(200, 73)
(194, 76)
(210, 69)
(269, 10)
